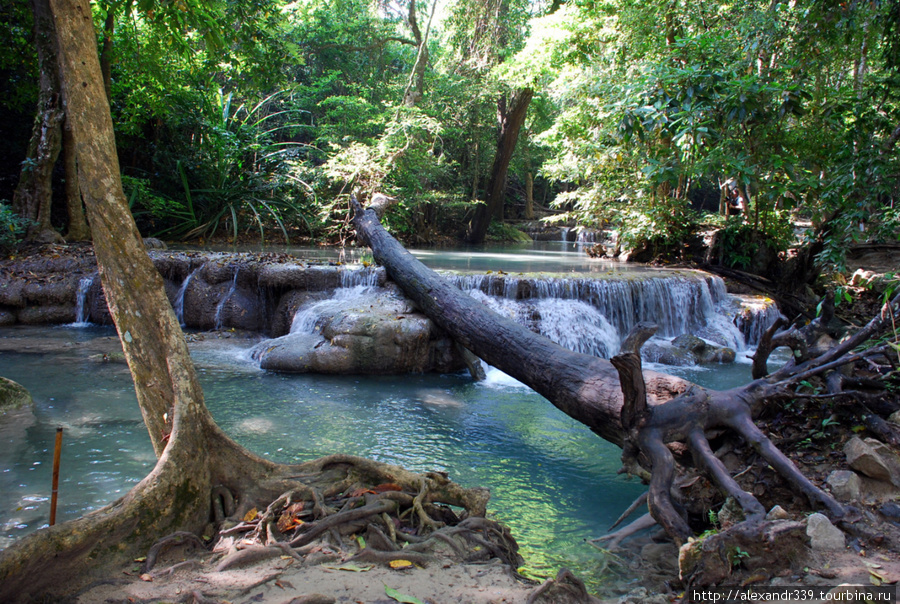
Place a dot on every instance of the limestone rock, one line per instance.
(873, 459)
(895, 418)
(823, 536)
(845, 485)
(370, 335)
(777, 513)
(686, 350)
(13, 396)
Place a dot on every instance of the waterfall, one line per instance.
(306, 319)
(82, 311)
(754, 316)
(594, 315)
(367, 276)
(221, 306)
(179, 298)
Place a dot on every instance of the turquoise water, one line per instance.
(551, 480)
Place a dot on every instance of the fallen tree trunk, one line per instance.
(655, 409)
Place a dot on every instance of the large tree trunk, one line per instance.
(78, 226)
(643, 412)
(201, 474)
(34, 193)
(511, 117)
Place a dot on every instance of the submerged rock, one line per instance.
(686, 350)
(13, 396)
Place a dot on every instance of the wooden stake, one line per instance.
(56, 454)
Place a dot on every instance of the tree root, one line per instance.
(614, 539)
(179, 538)
(566, 588)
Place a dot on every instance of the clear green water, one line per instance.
(551, 480)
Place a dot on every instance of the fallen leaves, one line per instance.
(399, 597)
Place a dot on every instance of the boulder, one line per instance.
(873, 459)
(823, 536)
(378, 334)
(658, 351)
(13, 396)
(686, 350)
(845, 485)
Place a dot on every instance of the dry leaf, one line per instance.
(387, 486)
(400, 564)
(251, 515)
(147, 577)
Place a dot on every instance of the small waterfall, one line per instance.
(367, 276)
(754, 316)
(577, 326)
(564, 233)
(82, 310)
(586, 236)
(179, 298)
(220, 309)
(306, 319)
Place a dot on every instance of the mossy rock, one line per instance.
(13, 396)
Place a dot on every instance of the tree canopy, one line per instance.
(235, 118)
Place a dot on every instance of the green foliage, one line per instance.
(12, 228)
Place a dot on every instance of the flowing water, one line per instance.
(552, 481)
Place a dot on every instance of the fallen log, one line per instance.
(641, 411)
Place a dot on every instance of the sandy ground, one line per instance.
(283, 580)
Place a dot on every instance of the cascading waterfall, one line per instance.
(220, 309)
(179, 298)
(367, 276)
(82, 311)
(593, 315)
(357, 286)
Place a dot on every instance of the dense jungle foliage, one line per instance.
(657, 119)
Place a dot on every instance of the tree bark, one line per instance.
(589, 389)
(511, 117)
(34, 192)
(78, 226)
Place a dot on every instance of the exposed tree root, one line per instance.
(178, 538)
(566, 588)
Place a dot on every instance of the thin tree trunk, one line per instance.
(529, 196)
(34, 193)
(415, 88)
(106, 52)
(511, 119)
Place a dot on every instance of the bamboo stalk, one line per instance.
(53, 495)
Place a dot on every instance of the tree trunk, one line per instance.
(34, 192)
(201, 474)
(415, 88)
(590, 389)
(529, 196)
(106, 51)
(511, 118)
(78, 226)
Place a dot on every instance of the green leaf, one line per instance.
(402, 598)
(354, 568)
